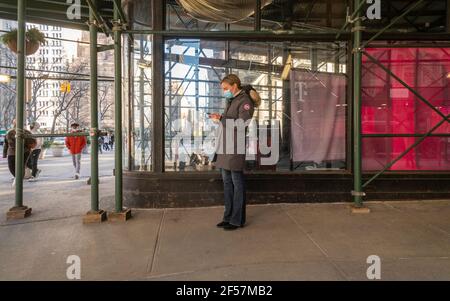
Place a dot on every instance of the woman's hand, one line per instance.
(214, 116)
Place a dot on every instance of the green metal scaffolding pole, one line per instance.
(94, 111)
(358, 50)
(118, 110)
(141, 106)
(357, 61)
(20, 102)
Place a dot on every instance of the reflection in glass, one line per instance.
(390, 108)
(193, 71)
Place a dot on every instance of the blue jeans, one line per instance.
(76, 160)
(234, 192)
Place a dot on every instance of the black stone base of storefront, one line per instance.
(199, 189)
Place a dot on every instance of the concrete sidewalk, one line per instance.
(56, 194)
(280, 242)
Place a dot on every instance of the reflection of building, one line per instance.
(174, 101)
(50, 57)
(176, 121)
(54, 59)
(6, 95)
(215, 101)
(4, 61)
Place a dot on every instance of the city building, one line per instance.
(51, 68)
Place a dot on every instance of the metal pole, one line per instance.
(350, 18)
(118, 109)
(158, 111)
(20, 101)
(131, 105)
(141, 107)
(329, 35)
(257, 24)
(286, 108)
(94, 111)
(269, 80)
(357, 61)
(97, 17)
(120, 12)
(169, 75)
(131, 92)
(197, 99)
(77, 134)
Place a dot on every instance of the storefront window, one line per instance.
(312, 139)
(390, 108)
(141, 100)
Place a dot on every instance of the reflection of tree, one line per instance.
(7, 105)
(39, 80)
(75, 112)
(65, 106)
(104, 100)
(39, 77)
(72, 99)
(7, 90)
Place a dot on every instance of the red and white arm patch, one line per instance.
(246, 107)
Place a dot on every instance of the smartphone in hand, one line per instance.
(214, 116)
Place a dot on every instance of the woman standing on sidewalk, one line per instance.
(240, 106)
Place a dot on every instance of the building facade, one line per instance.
(62, 61)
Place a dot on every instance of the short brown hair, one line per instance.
(232, 79)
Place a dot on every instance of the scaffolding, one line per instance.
(161, 122)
